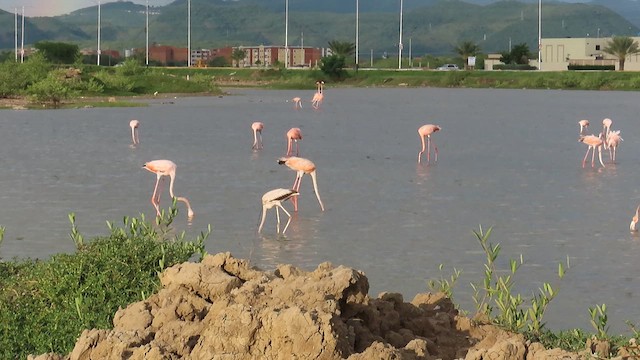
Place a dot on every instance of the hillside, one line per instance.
(432, 26)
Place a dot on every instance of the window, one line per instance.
(597, 47)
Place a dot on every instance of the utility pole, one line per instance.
(99, 51)
(189, 33)
(400, 42)
(15, 30)
(357, 30)
(286, 33)
(22, 39)
(147, 37)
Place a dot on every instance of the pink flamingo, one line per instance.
(302, 166)
(274, 198)
(319, 95)
(613, 141)
(606, 128)
(165, 168)
(134, 124)
(257, 135)
(426, 131)
(592, 142)
(294, 134)
(297, 102)
(584, 124)
(634, 220)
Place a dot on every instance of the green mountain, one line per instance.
(431, 26)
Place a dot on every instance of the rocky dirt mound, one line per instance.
(222, 308)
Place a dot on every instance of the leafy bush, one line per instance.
(113, 82)
(591, 67)
(45, 305)
(15, 78)
(513, 67)
(52, 89)
(333, 67)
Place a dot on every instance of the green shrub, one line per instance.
(45, 305)
(513, 67)
(114, 82)
(591, 67)
(52, 89)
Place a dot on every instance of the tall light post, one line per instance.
(99, 51)
(286, 34)
(539, 35)
(189, 33)
(22, 39)
(15, 30)
(147, 36)
(400, 42)
(357, 30)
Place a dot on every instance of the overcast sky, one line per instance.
(59, 7)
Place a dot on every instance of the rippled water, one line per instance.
(508, 159)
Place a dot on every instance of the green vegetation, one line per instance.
(621, 47)
(433, 26)
(45, 305)
(498, 303)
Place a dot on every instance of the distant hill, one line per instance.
(432, 26)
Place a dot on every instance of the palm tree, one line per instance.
(342, 48)
(466, 49)
(620, 47)
(238, 55)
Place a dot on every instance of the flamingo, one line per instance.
(134, 124)
(257, 130)
(297, 102)
(426, 131)
(274, 198)
(613, 141)
(593, 142)
(165, 168)
(584, 124)
(319, 95)
(301, 166)
(294, 134)
(606, 128)
(634, 220)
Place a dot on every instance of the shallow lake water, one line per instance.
(508, 159)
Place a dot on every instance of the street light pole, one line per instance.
(99, 51)
(286, 33)
(539, 35)
(147, 37)
(189, 33)
(22, 39)
(357, 30)
(15, 30)
(400, 42)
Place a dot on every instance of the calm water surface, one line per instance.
(508, 159)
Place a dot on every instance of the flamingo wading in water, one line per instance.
(584, 124)
(165, 168)
(634, 220)
(297, 103)
(592, 142)
(134, 124)
(257, 135)
(425, 131)
(613, 141)
(293, 135)
(274, 198)
(301, 166)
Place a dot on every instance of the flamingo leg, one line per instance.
(155, 198)
(297, 148)
(436, 150)
(286, 212)
(278, 217)
(289, 147)
(584, 161)
(593, 157)
(423, 149)
(428, 149)
(599, 155)
(315, 188)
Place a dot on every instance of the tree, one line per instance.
(342, 48)
(466, 49)
(58, 52)
(519, 54)
(333, 66)
(237, 55)
(52, 89)
(621, 47)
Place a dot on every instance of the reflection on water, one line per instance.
(516, 168)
